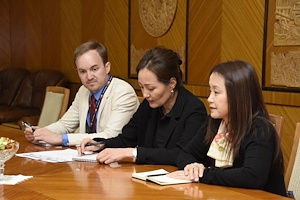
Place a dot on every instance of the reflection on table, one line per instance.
(82, 180)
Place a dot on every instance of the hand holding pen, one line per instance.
(88, 145)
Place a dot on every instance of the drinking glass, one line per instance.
(5, 155)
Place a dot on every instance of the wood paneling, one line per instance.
(17, 33)
(71, 35)
(174, 38)
(4, 34)
(116, 36)
(32, 28)
(204, 39)
(50, 42)
(37, 34)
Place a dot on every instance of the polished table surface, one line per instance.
(81, 180)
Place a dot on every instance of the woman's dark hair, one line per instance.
(91, 45)
(164, 63)
(245, 103)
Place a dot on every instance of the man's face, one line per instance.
(92, 71)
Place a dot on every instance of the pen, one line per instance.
(94, 144)
(157, 175)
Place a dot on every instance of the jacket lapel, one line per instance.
(175, 114)
(84, 109)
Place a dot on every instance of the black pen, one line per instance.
(94, 143)
(157, 175)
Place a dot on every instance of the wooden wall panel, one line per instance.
(141, 40)
(204, 39)
(71, 35)
(32, 28)
(4, 34)
(93, 20)
(50, 35)
(242, 35)
(116, 36)
(291, 117)
(18, 34)
(37, 34)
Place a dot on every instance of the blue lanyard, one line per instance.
(99, 101)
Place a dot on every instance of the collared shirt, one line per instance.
(97, 97)
(65, 139)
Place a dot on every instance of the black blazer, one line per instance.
(252, 168)
(188, 114)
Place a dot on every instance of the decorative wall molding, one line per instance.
(281, 51)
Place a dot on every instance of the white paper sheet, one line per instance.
(53, 156)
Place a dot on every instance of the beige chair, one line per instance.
(54, 106)
(277, 120)
(292, 174)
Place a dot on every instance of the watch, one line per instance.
(134, 154)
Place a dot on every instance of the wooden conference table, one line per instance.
(81, 180)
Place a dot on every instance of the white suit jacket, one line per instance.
(118, 105)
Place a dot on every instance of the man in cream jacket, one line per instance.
(116, 102)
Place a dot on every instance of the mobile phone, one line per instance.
(26, 125)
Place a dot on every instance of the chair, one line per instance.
(10, 81)
(277, 120)
(292, 174)
(30, 96)
(54, 106)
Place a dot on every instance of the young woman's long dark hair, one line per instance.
(245, 104)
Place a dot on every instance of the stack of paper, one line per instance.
(54, 156)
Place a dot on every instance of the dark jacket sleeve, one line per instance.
(183, 126)
(186, 129)
(129, 135)
(251, 168)
(196, 149)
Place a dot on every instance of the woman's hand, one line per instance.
(111, 155)
(194, 171)
(178, 175)
(84, 147)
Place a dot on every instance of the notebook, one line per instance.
(159, 177)
(86, 158)
(143, 175)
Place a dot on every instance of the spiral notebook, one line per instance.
(86, 158)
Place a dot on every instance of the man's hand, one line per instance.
(29, 134)
(44, 134)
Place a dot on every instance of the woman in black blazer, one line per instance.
(238, 145)
(165, 121)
